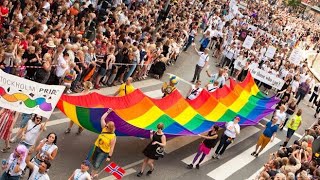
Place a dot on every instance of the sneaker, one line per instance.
(67, 131)
(140, 174)
(253, 154)
(197, 166)
(190, 166)
(256, 155)
(214, 156)
(218, 156)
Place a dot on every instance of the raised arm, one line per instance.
(104, 116)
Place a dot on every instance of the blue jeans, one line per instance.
(190, 41)
(131, 70)
(224, 143)
(6, 176)
(98, 157)
(24, 119)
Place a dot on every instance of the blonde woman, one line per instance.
(154, 149)
(87, 85)
(105, 143)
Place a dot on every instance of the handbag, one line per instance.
(159, 152)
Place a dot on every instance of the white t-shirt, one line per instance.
(281, 116)
(59, 70)
(32, 132)
(232, 133)
(12, 162)
(78, 175)
(203, 59)
(38, 176)
(212, 88)
(194, 92)
(295, 85)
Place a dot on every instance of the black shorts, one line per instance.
(290, 132)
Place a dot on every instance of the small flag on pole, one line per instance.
(115, 170)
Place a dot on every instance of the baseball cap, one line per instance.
(237, 118)
(86, 162)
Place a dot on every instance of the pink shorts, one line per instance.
(204, 149)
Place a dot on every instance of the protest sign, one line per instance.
(296, 56)
(248, 42)
(239, 64)
(267, 78)
(26, 96)
(271, 51)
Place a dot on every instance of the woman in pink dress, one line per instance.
(7, 121)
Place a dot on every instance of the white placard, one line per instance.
(271, 51)
(296, 56)
(27, 96)
(239, 64)
(248, 42)
(252, 28)
(267, 78)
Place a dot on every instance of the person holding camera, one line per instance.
(46, 150)
(154, 149)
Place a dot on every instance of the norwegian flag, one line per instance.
(115, 170)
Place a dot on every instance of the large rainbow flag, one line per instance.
(136, 114)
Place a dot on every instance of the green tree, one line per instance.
(294, 3)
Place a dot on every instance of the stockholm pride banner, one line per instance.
(27, 96)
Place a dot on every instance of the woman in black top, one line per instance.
(210, 140)
(291, 109)
(154, 149)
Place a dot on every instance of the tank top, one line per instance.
(156, 137)
(210, 143)
(104, 140)
(289, 111)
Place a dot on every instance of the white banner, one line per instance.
(267, 78)
(271, 51)
(248, 42)
(26, 96)
(296, 56)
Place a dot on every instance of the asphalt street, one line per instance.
(235, 164)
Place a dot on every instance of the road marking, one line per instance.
(240, 161)
(244, 134)
(49, 123)
(128, 172)
(253, 176)
(172, 145)
(154, 94)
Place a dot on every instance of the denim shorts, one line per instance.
(98, 157)
(24, 119)
(102, 71)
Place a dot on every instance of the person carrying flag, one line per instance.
(104, 145)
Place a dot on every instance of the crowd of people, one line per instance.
(86, 44)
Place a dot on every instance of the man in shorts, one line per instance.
(267, 135)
